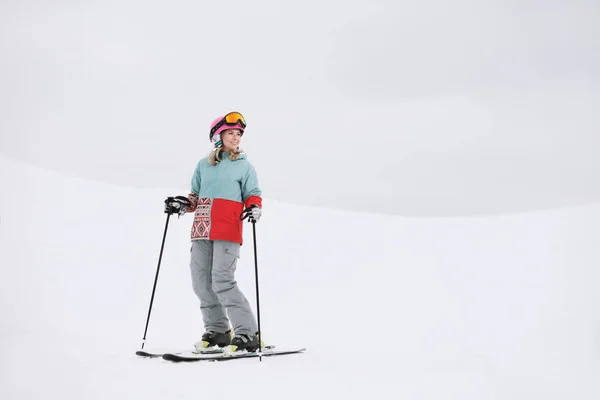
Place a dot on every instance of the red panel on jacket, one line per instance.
(225, 221)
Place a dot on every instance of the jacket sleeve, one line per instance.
(196, 180)
(251, 193)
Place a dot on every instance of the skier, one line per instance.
(224, 187)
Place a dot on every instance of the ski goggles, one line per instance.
(231, 119)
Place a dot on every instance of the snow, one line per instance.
(493, 307)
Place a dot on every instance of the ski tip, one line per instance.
(143, 353)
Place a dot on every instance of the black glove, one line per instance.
(176, 205)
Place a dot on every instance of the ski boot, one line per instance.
(213, 339)
(243, 342)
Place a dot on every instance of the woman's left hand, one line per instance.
(255, 213)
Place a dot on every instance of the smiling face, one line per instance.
(231, 139)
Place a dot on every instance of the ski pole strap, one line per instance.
(178, 199)
(247, 212)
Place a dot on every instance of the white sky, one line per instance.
(413, 108)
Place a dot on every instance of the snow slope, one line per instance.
(389, 307)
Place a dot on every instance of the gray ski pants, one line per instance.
(213, 265)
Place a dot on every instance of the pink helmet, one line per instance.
(232, 120)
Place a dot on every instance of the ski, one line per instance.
(149, 354)
(225, 356)
(208, 351)
(157, 353)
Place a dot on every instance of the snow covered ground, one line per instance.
(498, 307)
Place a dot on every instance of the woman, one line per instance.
(224, 186)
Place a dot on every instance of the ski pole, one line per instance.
(257, 294)
(176, 205)
(162, 246)
(245, 214)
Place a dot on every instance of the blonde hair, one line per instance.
(215, 156)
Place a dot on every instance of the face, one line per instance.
(231, 139)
